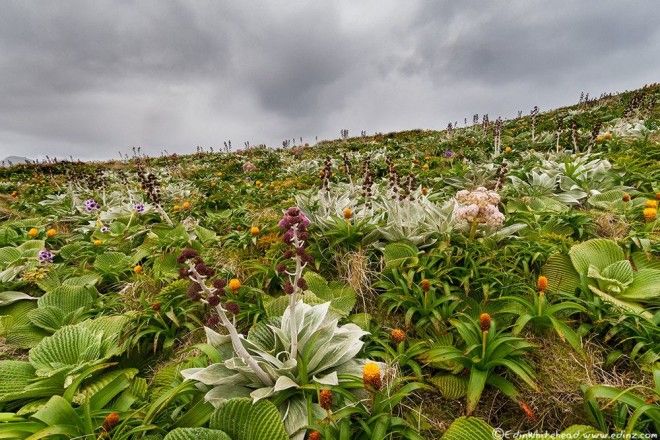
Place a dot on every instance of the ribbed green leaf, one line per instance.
(470, 428)
(561, 275)
(451, 387)
(14, 377)
(399, 254)
(598, 252)
(243, 420)
(196, 434)
(68, 347)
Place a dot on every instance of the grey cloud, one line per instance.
(91, 78)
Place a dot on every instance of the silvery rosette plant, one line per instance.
(280, 358)
(325, 349)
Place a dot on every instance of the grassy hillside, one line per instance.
(419, 284)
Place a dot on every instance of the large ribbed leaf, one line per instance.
(645, 286)
(470, 428)
(113, 263)
(8, 255)
(196, 434)
(67, 348)
(598, 252)
(399, 254)
(612, 199)
(49, 318)
(14, 378)
(583, 432)
(451, 387)
(110, 328)
(15, 325)
(69, 298)
(232, 417)
(342, 297)
(561, 275)
(243, 420)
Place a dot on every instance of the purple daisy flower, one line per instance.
(448, 154)
(105, 229)
(91, 205)
(45, 256)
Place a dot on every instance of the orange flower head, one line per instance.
(542, 283)
(14, 194)
(650, 214)
(137, 269)
(33, 232)
(398, 335)
(626, 197)
(608, 136)
(234, 284)
(254, 231)
(371, 376)
(325, 399)
(484, 322)
(110, 421)
(425, 284)
(650, 203)
(186, 205)
(314, 435)
(348, 213)
(52, 232)
(425, 191)
(97, 242)
(508, 150)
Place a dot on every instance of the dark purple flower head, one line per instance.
(219, 285)
(212, 321)
(194, 291)
(213, 300)
(288, 288)
(91, 205)
(302, 283)
(45, 256)
(233, 308)
(204, 270)
(187, 254)
(281, 268)
(184, 273)
(448, 154)
(139, 208)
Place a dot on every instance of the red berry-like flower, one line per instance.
(110, 421)
(325, 399)
(398, 335)
(484, 322)
(314, 435)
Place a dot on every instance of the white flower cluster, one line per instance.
(478, 206)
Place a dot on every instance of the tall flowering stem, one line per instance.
(294, 224)
(231, 328)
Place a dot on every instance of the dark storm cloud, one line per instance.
(91, 78)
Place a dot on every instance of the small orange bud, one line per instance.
(508, 149)
(348, 213)
(425, 167)
(314, 435)
(657, 196)
(608, 136)
(650, 214)
(626, 197)
(529, 412)
(325, 399)
(14, 194)
(484, 322)
(33, 232)
(110, 421)
(426, 285)
(97, 242)
(137, 269)
(398, 335)
(425, 191)
(234, 284)
(254, 231)
(542, 283)
(185, 205)
(371, 375)
(52, 232)
(155, 307)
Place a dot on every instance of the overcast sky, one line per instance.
(90, 78)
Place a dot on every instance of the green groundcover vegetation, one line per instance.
(495, 277)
